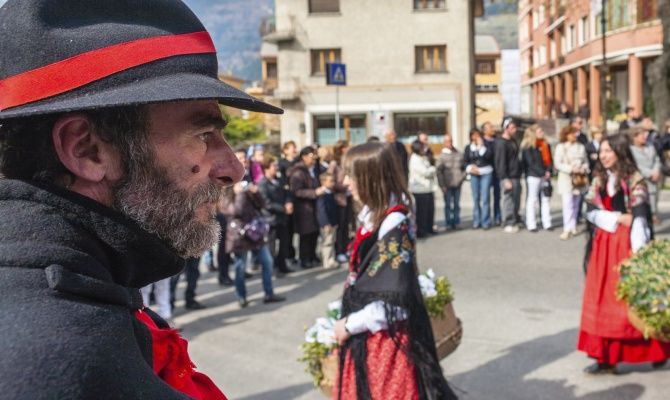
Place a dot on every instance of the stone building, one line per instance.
(409, 66)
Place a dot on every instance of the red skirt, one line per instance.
(391, 375)
(605, 332)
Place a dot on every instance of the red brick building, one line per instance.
(560, 43)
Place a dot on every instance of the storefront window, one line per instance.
(352, 128)
(407, 125)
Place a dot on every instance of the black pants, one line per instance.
(345, 217)
(425, 213)
(308, 246)
(222, 257)
(291, 232)
(192, 274)
(279, 243)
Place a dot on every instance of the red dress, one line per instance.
(605, 333)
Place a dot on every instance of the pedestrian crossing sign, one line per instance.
(336, 74)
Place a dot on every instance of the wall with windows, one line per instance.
(404, 44)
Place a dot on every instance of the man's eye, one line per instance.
(205, 137)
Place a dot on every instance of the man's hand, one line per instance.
(288, 208)
(507, 184)
(320, 191)
(474, 170)
(328, 228)
(626, 219)
(341, 334)
(655, 176)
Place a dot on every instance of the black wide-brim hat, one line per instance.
(66, 55)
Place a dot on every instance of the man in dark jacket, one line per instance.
(392, 138)
(508, 170)
(305, 188)
(113, 159)
(279, 206)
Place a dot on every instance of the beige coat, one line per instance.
(568, 156)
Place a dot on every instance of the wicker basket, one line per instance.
(329, 367)
(639, 324)
(447, 331)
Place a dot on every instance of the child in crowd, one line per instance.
(327, 217)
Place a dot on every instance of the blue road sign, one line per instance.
(336, 74)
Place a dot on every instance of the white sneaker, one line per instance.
(565, 235)
(511, 229)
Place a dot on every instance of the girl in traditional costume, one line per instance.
(387, 346)
(618, 206)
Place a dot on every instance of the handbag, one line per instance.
(255, 230)
(579, 180)
(547, 189)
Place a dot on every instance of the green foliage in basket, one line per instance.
(312, 355)
(645, 286)
(435, 304)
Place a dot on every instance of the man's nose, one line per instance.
(227, 169)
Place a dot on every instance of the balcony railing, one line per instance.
(270, 33)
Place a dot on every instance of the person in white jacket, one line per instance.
(571, 162)
(422, 176)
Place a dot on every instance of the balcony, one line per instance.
(269, 31)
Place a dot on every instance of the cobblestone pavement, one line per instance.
(518, 295)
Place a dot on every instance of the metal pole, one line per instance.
(603, 68)
(337, 112)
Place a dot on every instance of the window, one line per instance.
(647, 10)
(564, 42)
(552, 49)
(541, 13)
(407, 125)
(353, 128)
(322, 56)
(535, 18)
(572, 38)
(618, 14)
(543, 54)
(429, 4)
(583, 34)
(271, 70)
(324, 6)
(597, 25)
(431, 58)
(485, 66)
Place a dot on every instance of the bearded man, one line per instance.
(112, 151)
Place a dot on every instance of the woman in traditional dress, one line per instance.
(387, 346)
(618, 206)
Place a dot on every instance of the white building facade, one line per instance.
(409, 67)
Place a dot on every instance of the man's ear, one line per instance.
(80, 150)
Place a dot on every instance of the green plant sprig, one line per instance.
(435, 304)
(644, 285)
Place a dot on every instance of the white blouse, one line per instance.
(640, 234)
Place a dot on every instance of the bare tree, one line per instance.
(658, 72)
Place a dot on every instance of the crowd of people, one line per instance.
(300, 194)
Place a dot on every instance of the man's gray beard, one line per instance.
(160, 207)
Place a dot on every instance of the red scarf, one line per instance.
(544, 150)
(173, 365)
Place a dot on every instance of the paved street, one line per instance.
(518, 296)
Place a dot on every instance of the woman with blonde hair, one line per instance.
(573, 166)
(387, 349)
(537, 164)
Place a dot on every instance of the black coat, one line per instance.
(70, 270)
(326, 210)
(507, 163)
(532, 163)
(303, 189)
(404, 158)
(479, 160)
(275, 198)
